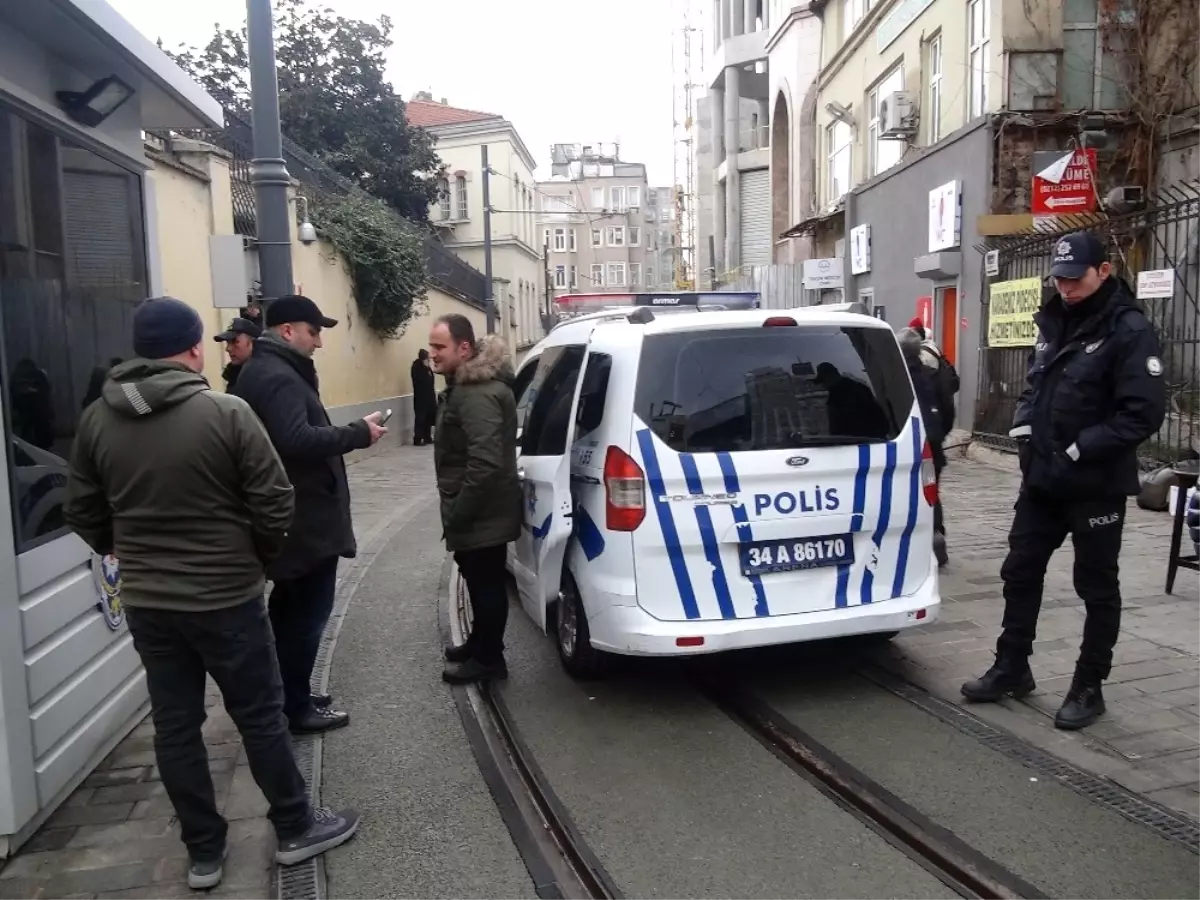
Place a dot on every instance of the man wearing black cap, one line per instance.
(192, 524)
(280, 384)
(1094, 393)
(239, 340)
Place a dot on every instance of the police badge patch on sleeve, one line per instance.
(106, 572)
(1154, 366)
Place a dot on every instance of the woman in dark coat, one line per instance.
(424, 399)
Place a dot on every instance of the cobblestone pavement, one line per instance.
(1148, 740)
(116, 835)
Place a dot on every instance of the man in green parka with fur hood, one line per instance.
(475, 454)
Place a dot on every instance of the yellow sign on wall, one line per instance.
(1010, 312)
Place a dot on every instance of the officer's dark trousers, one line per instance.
(487, 582)
(300, 608)
(1039, 528)
(236, 647)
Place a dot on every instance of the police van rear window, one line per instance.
(772, 388)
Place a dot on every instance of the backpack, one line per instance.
(947, 381)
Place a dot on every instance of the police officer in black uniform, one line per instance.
(1094, 393)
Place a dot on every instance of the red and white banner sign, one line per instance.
(1062, 182)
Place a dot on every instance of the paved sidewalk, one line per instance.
(116, 836)
(1148, 740)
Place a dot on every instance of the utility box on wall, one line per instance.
(234, 269)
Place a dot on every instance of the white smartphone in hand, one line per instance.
(387, 415)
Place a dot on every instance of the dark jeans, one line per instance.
(300, 608)
(236, 648)
(939, 516)
(423, 427)
(1038, 529)
(487, 582)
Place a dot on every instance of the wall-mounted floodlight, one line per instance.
(97, 103)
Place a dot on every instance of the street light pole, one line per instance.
(268, 171)
(490, 301)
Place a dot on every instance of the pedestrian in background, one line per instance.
(925, 386)
(475, 456)
(1094, 393)
(280, 384)
(192, 521)
(239, 340)
(424, 398)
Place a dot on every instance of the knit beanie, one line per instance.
(164, 326)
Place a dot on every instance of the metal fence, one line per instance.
(444, 270)
(781, 286)
(1163, 235)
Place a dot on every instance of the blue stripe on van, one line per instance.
(591, 539)
(856, 520)
(745, 535)
(885, 507)
(914, 497)
(666, 522)
(708, 537)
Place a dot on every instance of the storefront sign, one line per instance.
(1062, 182)
(860, 249)
(1156, 284)
(945, 216)
(1010, 312)
(823, 274)
(106, 573)
(902, 15)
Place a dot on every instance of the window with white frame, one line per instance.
(633, 196)
(571, 244)
(619, 199)
(574, 276)
(882, 153)
(616, 274)
(444, 198)
(635, 274)
(560, 240)
(853, 12)
(933, 55)
(597, 237)
(838, 144)
(598, 198)
(597, 274)
(979, 13)
(560, 276)
(635, 236)
(1098, 43)
(616, 236)
(546, 237)
(460, 197)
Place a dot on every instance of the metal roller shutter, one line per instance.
(756, 218)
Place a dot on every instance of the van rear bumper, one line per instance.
(630, 631)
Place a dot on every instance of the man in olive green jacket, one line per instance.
(181, 484)
(475, 454)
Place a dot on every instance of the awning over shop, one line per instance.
(94, 39)
(812, 223)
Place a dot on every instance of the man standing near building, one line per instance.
(239, 340)
(280, 384)
(1094, 393)
(475, 455)
(192, 523)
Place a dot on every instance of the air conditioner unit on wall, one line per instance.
(898, 115)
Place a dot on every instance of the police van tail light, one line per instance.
(928, 475)
(624, 491)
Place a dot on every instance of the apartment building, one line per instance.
(517, 283)
(599, 221)
(925, 116)
(662, 260)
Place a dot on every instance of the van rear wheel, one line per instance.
(579, 657)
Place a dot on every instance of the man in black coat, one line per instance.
(1094, 393)
(280, 384)
(424, 399)
(239, 340)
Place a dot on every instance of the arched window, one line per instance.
(444, 198)
(460, 196)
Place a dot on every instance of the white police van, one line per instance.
(701, 480)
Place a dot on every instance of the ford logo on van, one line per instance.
(797, 461)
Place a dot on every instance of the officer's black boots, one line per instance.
(1083, 705)
(1007, 676)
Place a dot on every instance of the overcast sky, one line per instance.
(562, 71)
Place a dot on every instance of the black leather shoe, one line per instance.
(473, 670)
(322, 701)
(457, 653)
(1005, 677)
(939, 550)
(1083, 706)
(320, 720)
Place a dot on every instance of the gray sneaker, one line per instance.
(329, 829)
(203, 875)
